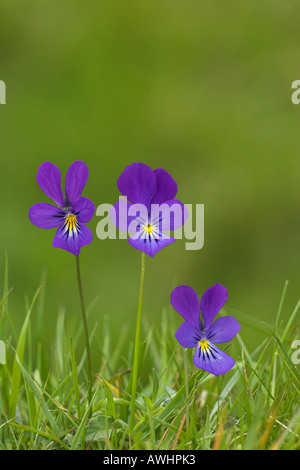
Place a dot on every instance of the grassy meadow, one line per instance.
(202, 90)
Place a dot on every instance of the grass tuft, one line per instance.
(44, 389)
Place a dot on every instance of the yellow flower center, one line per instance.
(204, 345)
(148, 228)
(71, 221)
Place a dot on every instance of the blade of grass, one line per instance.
(290, 321)
(19, 357)
(36, 431)
(80, 430)
(177, 400)
(40, 398)
(76, 389)
(281, 305)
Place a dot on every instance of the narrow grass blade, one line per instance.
(75, 381)
(38, 432)
(16, 374)
(81, 427)
(40, 398)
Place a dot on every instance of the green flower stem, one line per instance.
(186, 377)
(137, 344)
(86, 333)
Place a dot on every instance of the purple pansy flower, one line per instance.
(73, 210)
(152, 207)
(199, 331)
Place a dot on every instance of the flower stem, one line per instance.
(86, 333)
(187, 422)
(137, 344)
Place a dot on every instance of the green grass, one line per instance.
(43, 388)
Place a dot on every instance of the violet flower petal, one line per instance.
(170, 215)
(185, 300)
(223, 330)
(72, 242)
(49, 180)
(140, 220)
(166, 187)
(150, 245)
(44, 215)
(138, 183)
(119, 214)
(187, 335)
(214, 360)
(84, 209)
(76, 178)
(211, 303)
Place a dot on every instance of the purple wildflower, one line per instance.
(199, 331)
(73, 210)
(152, 207)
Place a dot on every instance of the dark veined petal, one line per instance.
(185, 300)
(213, 360)
(138, 183)
(187, 335)
(166, 187)
(150, 244)
(124, 214)
(223, 330)
(76, 178)
(72, 240)
(170, 215)
(49, 180)
(84, 209)
(44, 215)
(211, 303)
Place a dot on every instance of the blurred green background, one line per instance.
(202, 89)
